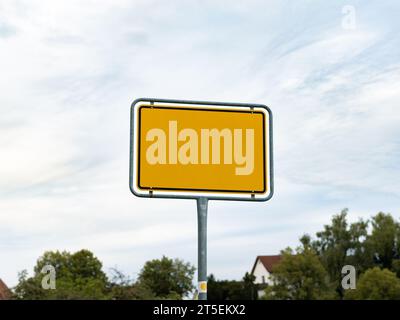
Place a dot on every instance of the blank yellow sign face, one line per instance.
(210, 149)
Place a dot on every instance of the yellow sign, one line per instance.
(187, 148)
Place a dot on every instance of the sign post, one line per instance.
(203, 151)
(202, 208)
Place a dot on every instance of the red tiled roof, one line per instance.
(5, 293)
(267, 261)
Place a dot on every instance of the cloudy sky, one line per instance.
(69, 71)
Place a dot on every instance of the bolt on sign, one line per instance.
(192, 149)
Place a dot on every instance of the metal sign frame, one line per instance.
(195, 194)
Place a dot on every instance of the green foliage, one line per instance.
(396, 267)
(249, 288)
(299, 275)
(167, 278)
(376, 284)
(302, 275)
(28, 288)
(78, 276)
(232, 290)
(384, 241)
(340, 244)
(121, 287)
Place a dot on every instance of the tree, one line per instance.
(232, 290)
(249, 288)
(78, 276)
(384, 241)
(340, 244)
(122, 287)
(214, 289)
(167, 278)
(299, 276)
(28, 288)
(376, 284)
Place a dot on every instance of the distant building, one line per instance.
(5, 293)
(262, 270)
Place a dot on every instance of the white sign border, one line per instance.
(211, 195)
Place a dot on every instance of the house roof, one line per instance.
(267, 261)
(5, 293)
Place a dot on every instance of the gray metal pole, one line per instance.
(202, 206)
